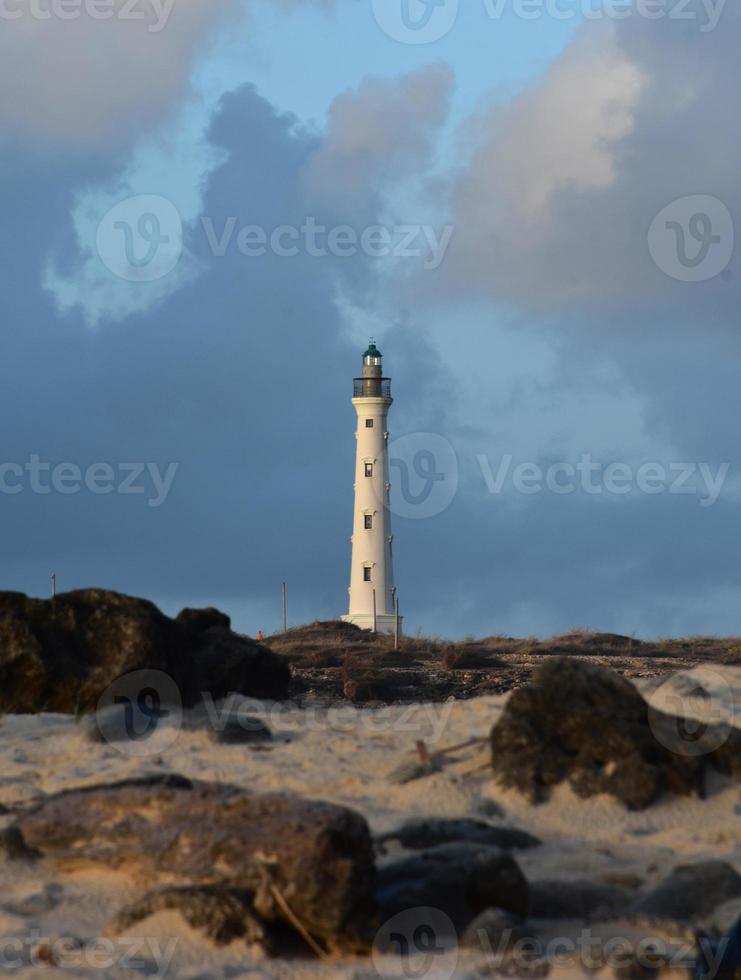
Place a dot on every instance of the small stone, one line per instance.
(37, 904)
(632, 967)
(112, 724)
(490, 808)
(460, 879)
(722, 960)
(429, 832)
(495, 931)
(14, 846)
(576, 899)
(691, 891)
(241, 730)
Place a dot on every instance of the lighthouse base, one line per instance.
(384, 624)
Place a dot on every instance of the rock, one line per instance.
(720, 960)
(508, 946)
(462, 880)
(197, 621)
(14, 847)
(316, 856)
(429, 832)
(490, 808)
(224, 662)
(363, 691)
(112, 724)
(623, 879)
(495, 931)
(470, 659)
(222, 914)
(727, 757)
(241, 730)
(580, 722)
(577, 899)
(62, 654)
(723, 917)
(690, 891)
(39, 903)
(634, 967)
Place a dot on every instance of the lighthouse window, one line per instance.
(369, 522)
(369, 423)
(367, 573)
(369, 469)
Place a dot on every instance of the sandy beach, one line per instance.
(346, 756)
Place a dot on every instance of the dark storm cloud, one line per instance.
(241, 377)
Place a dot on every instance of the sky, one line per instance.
(210, 206)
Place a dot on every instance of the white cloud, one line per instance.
(376, 137)
(556, 146)
(110, 70)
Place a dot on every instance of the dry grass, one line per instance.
(334, 661)
(334, 644)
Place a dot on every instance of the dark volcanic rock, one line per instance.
(222, 914)
(14, 847)
(580, 722)
(496, 931)
(429, 832)
(111, 724)
(315, 856)
(691, 891)
(577, 899)
(241, 730)
(462, 880)
(36, 904)
(62, 654)
(197, 621)
(720, 960)
(223, 662)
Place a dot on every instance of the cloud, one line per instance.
(93, 84)
(553, 209)
(240, 376)
(555, 147)
(376, 137)
(94, 75)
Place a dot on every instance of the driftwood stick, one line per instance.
(297, 924)
(462, 745)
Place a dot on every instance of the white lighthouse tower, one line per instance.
(372, 592)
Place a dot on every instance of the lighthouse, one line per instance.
(372, 592)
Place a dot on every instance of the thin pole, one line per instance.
(396, 622)
(375, 623)
(53, 585)
(283, 603)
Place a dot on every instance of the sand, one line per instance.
(345, 756)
